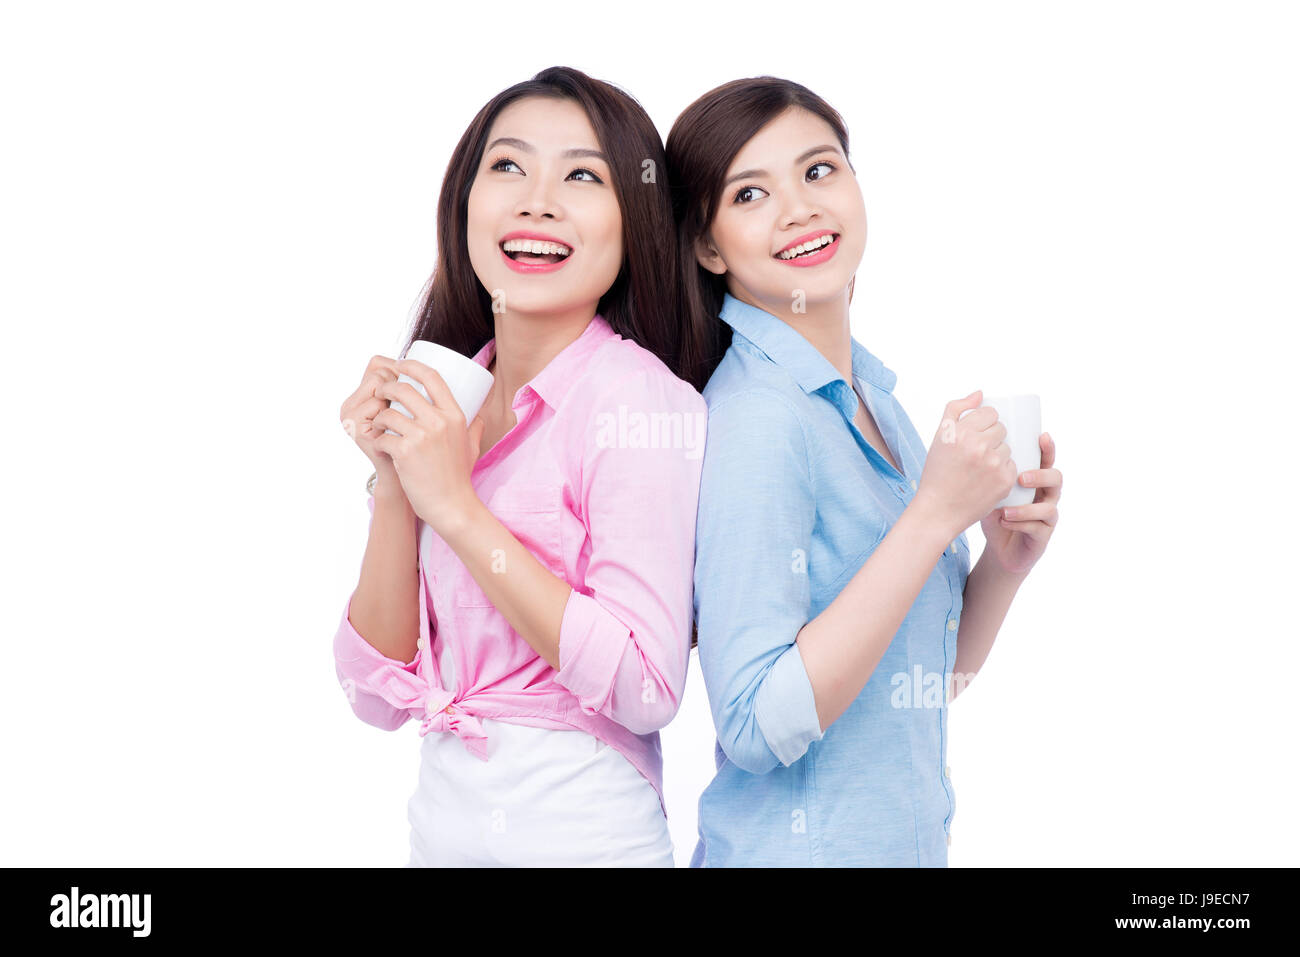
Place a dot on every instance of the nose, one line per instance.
(798, 213)
(798, 209)
(538, 200)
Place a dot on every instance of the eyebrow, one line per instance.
(527, 148)
(805, 155)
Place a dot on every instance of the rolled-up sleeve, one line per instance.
(626, 632)
(751, 592)
(363, 671)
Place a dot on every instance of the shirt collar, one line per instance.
(782, 344)
(554, 380)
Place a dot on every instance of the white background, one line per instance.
(214, 214)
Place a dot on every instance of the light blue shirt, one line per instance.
(793, 500)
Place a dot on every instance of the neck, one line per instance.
(825, 324)
(525, 345)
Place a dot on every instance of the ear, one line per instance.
(707, 256)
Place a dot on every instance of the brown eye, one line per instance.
(827, 166)
(746, 195)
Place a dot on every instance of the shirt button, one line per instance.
(953, 547)
(419, 643)
(449, 709)
(430, 707)
(950, 840)
(947, 771)
(952, 624)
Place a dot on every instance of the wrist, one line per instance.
(930, 523)
(990, 568)
(455, 521)
(388, 490)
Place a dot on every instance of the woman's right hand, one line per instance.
(968, 468)
(357, 416)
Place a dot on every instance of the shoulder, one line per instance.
(757, 421)
(744, 371)
(747, 387)
(756, 430)
(623, 371)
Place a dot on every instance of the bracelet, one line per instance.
(370, 483)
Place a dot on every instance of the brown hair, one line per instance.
(701, 145)
(642, 304)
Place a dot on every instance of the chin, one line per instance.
(832, 289)
(815, 288)
(519, 301)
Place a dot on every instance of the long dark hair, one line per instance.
(701, 145)
(643, 303)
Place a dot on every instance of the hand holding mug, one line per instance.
(968, 468)
(358, 412)
(1017, 535)
(433, 449)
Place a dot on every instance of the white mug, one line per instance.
(468, 381)
(1022, 415)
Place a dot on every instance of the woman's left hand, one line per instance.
(1018, 535)
(434, 452)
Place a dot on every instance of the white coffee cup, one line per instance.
(1022, 415)
(468, 381)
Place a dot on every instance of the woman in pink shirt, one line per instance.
(545, 632)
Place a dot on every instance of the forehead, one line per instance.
(775, 146)
(547, 123)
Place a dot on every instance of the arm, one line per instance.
(985, 601)
(527, 593)
(776, 680)
(752, 595)
(1014, 541)
(843, 645)
(384, 606)
(621, 640)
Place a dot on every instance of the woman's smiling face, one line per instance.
(788, 187)
(544, 226)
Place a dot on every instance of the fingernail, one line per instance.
(1008, 513)
(1026, 478)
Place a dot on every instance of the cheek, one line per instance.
(744, 245)
(857, 210)
(606, 266)
(757, 240)
(607, 236)
(476, 221)
(475, 231)
(615, 258)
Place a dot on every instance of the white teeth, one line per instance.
(807, 247)
(536, 247)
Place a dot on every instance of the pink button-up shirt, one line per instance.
(599, 480)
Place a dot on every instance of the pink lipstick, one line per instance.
(534, 262)
(815, 257)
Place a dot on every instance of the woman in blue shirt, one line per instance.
(837, 612)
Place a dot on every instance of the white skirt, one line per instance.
(546, 797)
